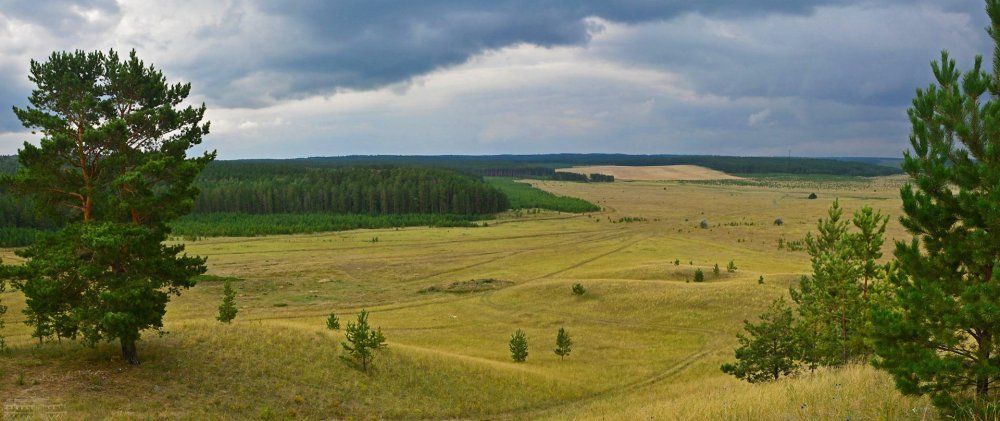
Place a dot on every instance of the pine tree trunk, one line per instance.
(129, 352)
(982, 380)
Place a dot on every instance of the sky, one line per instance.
(285, 79)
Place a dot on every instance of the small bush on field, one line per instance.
(578, 289)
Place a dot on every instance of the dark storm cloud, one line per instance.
(361, 45)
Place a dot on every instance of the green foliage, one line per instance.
(769, 349)
(834, 303)
(578, 289)
(812, 196)
(524, 196)
(677, 262)
(703, 224)
(332, 322)
(760, 280)
(362, 340)
(699, 276)
(518, 346)
(715, 269)
(227, 310)
(277, 187)
(245, 225)
(940, 333)
(731, 267)
(3, 311)
(564, 345)
(111, 170)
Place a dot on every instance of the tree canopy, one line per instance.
(112, 169)
(940, 335)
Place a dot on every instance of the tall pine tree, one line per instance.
(112, 167)
(940, 336)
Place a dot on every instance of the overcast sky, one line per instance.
(342, 77)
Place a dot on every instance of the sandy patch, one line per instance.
(654, 173)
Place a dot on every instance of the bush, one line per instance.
(715, 269)
(779, 222)
(812, 196)
(703, 224)
(519, 346)
(332, 322)
(699, 276)
(578, 289)
(731, 267)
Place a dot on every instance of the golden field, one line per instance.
(647, 343)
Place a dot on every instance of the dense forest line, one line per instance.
(526, 196)
(258, 188)
(248, 225)
(545, 165)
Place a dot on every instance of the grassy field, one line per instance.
(647, 343)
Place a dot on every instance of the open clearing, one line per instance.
(647, 343)
(653, 173)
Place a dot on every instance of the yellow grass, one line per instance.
(647, 343)
(653, 173)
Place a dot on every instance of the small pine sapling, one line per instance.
(760, 280)
(699, 276)
(519, 346)
(715, 270)
(677, 262)
(731, 267)
(563, 343)
(578, 289)
(332, 322)
(227, 310)
(362, 341)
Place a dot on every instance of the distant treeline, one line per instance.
(238, 187)
(582, 178)
(245, 225)
(545, 165)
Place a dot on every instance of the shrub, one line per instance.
(812, 196)
(760, 280)
(518, 346)
(332, 322)
(703, 224)
(677, 262)
(731, 267)
(578, 289)
(699, 276)
(779, 222)
(715, 269)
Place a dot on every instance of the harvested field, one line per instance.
(654, 173)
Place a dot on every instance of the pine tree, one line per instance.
(563, 344)
(227, 310)
(940, 335)
(834, 301)
(578, 289)
(112, 168)
(362, 340)
(699, 276)
(731, 267)
(332, 322)
(771, 350)
(518, 346)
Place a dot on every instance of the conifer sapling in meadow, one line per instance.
(578, 289)
(332, 322)
(564, 345)
(769, 349)
(699, 276)
(519, 346)
(362, 341)
(227, 310)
